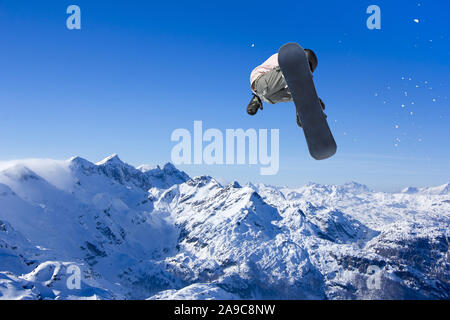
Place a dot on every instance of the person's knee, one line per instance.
(261, 89)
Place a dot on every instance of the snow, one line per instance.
(155, 233)
(54, 171)
(439, 190)
(196, 291)
(112, 159)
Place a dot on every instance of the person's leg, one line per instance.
(272, 88)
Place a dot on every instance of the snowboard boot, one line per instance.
(323, 108)
(312, 59)
(254, 105)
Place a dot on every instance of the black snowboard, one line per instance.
(295, 67)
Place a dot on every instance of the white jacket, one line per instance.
(268, 65)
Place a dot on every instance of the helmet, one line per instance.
(312, 59)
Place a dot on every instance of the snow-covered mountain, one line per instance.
(156, 233)
(440, 190)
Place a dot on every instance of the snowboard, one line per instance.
(297, 73)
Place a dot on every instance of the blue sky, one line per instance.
(138, 70)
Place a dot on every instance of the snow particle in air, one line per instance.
(416, 20)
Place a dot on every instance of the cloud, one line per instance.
(56, 172)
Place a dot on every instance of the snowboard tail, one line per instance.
(296, 71)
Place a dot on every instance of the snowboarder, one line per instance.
(268, 84)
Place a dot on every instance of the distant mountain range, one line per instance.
(156, 233)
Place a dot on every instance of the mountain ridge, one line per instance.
(156, 233)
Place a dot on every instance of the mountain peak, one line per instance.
(20, 172)
(311, 184)
(353, 184)
(112, 159)
(236, 185)
(145, 168)
(80, 162)
(169, 167)
(355, 187)
(439, 190)
(164, 177)
(410, 190)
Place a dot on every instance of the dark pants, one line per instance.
(272, 88)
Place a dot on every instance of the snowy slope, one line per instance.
(440, 190)
(153, 232)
